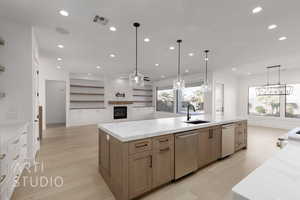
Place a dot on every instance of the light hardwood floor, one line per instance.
(72, 153)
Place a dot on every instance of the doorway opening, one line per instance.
(55, 103)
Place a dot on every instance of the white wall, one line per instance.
(55, 102)
(288, 76)
(17, 80)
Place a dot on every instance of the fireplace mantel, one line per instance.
(120, 102)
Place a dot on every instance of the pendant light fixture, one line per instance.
(136, 78)
(205, 86)
(179, 83)
(274, 89)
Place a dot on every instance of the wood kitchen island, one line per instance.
(138, 156)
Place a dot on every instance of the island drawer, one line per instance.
(140, 146)
(163, 143)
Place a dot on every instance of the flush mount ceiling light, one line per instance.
(272, 26)
(112, 55)
(60, 46)
(112, 28)
(186, 71)
(146, 40)
(171, 48)
(98, 67)
(136, 78)
(156, 64)
(282, 38)
(178, 83)
(163, 76)
(191, 54)
(59, 59)
(257, 10)
(233, 69)
(205, 86)
(249, 73)
(64, 13)
(58, 67)
(276, 89)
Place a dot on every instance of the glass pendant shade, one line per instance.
(178, 84)
(205, 86)
(136, 79)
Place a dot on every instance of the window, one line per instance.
(292, 103)
(191, 95)
(165, 100)
(263, 105)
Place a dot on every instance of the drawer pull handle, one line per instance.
(165, 149)
(141, 145)
(16, 141)
(163, 140)
(150, 161)
(2, 156)
(17, 157)
(2, 178)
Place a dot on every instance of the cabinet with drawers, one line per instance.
(13, 150)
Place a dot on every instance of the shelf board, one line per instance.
(143, 106)
(86, 108)
(140, 89)
(142, 101)
(86, 101)
(140, 95)
(86, 86)
(120, 102)
(82, 93)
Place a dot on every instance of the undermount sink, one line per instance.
(197, 122)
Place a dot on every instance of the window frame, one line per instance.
(285, 105)
(156, 98)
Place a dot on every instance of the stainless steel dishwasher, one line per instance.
(186, 148)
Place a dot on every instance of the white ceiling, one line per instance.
(228, 28)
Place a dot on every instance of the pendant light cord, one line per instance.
(178, 69)
(136, 25)
(206, 64)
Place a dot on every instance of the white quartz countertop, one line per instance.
(11, 129)
(277, 179)
(134, 130)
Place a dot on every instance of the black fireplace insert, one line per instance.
(120, 112)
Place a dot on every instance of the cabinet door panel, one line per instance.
(204, 148)
(216, 144)
(140, 174)
(104, 151)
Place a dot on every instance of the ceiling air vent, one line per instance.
(100, 20)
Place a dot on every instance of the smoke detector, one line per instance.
(100, 20)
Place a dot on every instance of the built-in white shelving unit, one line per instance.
(86, 94)
(142, 97)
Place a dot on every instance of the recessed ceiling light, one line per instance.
(162, 76)
(186, 71)
(156, 64)
(171, 48)
(64, 13)
(234, 69)
(191, 54)
(98, 67)
(282, 38)
(59, 59)
(60, 46)
(112, 28)
(58, 67)
(257, 10)
(272, 26)
(112, 55)
(147, 40)
(249, 73)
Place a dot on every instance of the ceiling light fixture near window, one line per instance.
(171, 48)
(58, 67)
(187, 71)
(60, 46)
(257, 10)
(64, 13)
(233, 69)
(146, 40)
(272, 26)
(282, 38)
(112, 55)
(191, 54)
(156, 64)
(98, 67)
(112, 28)
(59, 59)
